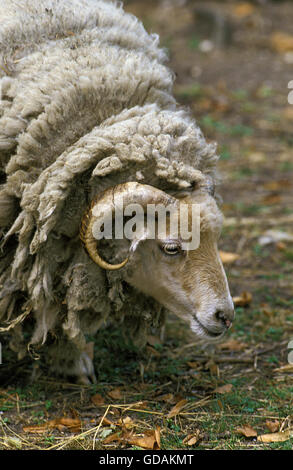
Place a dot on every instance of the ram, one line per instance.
(87, 117)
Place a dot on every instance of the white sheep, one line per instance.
(86, 105)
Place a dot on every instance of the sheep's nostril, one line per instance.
(222, 317)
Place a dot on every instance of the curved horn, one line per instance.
(130, 192)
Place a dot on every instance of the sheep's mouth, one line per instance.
(206, 331)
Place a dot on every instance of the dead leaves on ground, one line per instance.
(192, 439)
(280, 436)
(62, 424)
(227, 257)
(150, 439)
(243, 300)
(177, 408)
(227, 388)
(282, 42)
(232, 345)
(246, 430)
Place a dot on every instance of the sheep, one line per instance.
(87, 113)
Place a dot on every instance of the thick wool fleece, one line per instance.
(86, 103)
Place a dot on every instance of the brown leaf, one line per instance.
(192, 364)
(117, 436)
(243, 300)
(273, 426)
(149, 440)
(192, 439)
(70, 424)
(276, 436)
(167, 398)
(213, 368)
(282, 42)
(272, 199)
(97, 399)
(243, 9)
(265, 308)
(232, 345)
(177, 408)
(280, 184)
(128, 423)
(115, 394)
(247, 431)
(107, 422)
(288, 113)
(224, 388)
(38, 428)
(158, 436)
(227, 257)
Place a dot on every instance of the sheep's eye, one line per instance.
(171, 249)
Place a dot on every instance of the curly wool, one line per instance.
(86, 103)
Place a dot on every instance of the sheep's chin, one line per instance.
(204, 334)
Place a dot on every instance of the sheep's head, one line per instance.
(189, 282)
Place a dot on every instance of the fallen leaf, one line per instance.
(128, 423)
(107, 422)
(273, 426)
(232, 345)
(282, 42)
(265, 308)
(36, 429)
(97, 399)
(277, 185)
(281, 246)
(288, 113)
(272, 199)
(177, 408)
(192, 365)
(70, 424)
(243, 300)
(158, 436)
(246, 431)
(244, 9)
(276, 436)
(115, 394)
(224, 389)
(213, 368)
(227, 257)
(192, 439)
(167, 398)
(113, 437)
(149, 440)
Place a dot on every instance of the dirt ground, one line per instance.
(233, 61)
